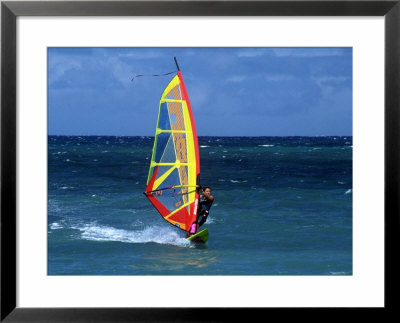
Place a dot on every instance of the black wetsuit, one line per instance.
(205, 205)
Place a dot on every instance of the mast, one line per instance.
(176, 62)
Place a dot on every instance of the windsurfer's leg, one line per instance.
(203, 219)
(193, 229)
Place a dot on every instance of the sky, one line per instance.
(233, 91)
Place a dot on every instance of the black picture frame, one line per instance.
(10, 10)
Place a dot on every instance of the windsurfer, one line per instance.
(206, 201)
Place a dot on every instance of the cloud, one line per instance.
(121, 71)
(236, 78)
(309, 52)
(252, 52)
(61, 64)
(141, 55)
(323, 80)
(259, 78)
(330, 85)
(278, 77)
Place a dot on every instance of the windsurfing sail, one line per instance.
(175, 163)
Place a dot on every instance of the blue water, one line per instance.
(283, 206)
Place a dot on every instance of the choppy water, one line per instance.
(283, 206)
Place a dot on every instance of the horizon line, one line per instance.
(202, 135)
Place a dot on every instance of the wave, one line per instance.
(156, 234)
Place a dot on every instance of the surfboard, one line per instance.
(199, 237)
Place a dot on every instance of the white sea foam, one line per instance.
(266, 145)
(238, 181)
(204, 146)
(348, 191)
(210, 220)
(339, 273)
(65, 187)
(156, 234)
(55, 226)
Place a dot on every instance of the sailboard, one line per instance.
(199, 237)
(174, 173)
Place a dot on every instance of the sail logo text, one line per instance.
(196, 205)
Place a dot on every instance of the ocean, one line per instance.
(283, 206)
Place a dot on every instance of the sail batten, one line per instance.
(171, 131)
(175, 163)
(173, 100)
